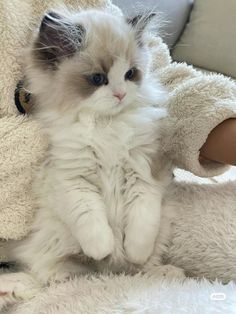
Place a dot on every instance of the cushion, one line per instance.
(209, 38)
(174, 14)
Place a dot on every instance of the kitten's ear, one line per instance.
(58, 38)
(140, 23)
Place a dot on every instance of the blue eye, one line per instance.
(129, 75)
(98, 79)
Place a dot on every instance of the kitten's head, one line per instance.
(89, 60)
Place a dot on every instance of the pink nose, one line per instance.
(120, 96)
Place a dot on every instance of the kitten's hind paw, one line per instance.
(168, 272)
(17, 286)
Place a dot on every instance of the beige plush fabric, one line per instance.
(209, 38)
(21, 147)
(197, 104)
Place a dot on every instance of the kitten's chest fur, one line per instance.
(104, 152)
(108, 154)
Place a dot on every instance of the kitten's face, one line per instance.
(89, 61)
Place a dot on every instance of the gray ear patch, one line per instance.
(140, 22)
(58, 38)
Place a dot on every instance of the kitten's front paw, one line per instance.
(142, 225)
(138, 250)
(99, 242)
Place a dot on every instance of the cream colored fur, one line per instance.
(96, 193)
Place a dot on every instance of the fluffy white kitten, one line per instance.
(99, 195)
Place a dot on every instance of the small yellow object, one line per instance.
(23, 98)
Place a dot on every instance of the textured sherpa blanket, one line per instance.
(136, 295)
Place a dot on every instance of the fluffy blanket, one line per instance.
(126, 295)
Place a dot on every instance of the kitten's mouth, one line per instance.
(120, 104)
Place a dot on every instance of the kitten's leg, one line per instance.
(86, 217)
(143, 217)
(154, 266)
(46, 252)
(17, 286)
(168, 272)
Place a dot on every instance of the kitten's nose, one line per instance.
(120, 96)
